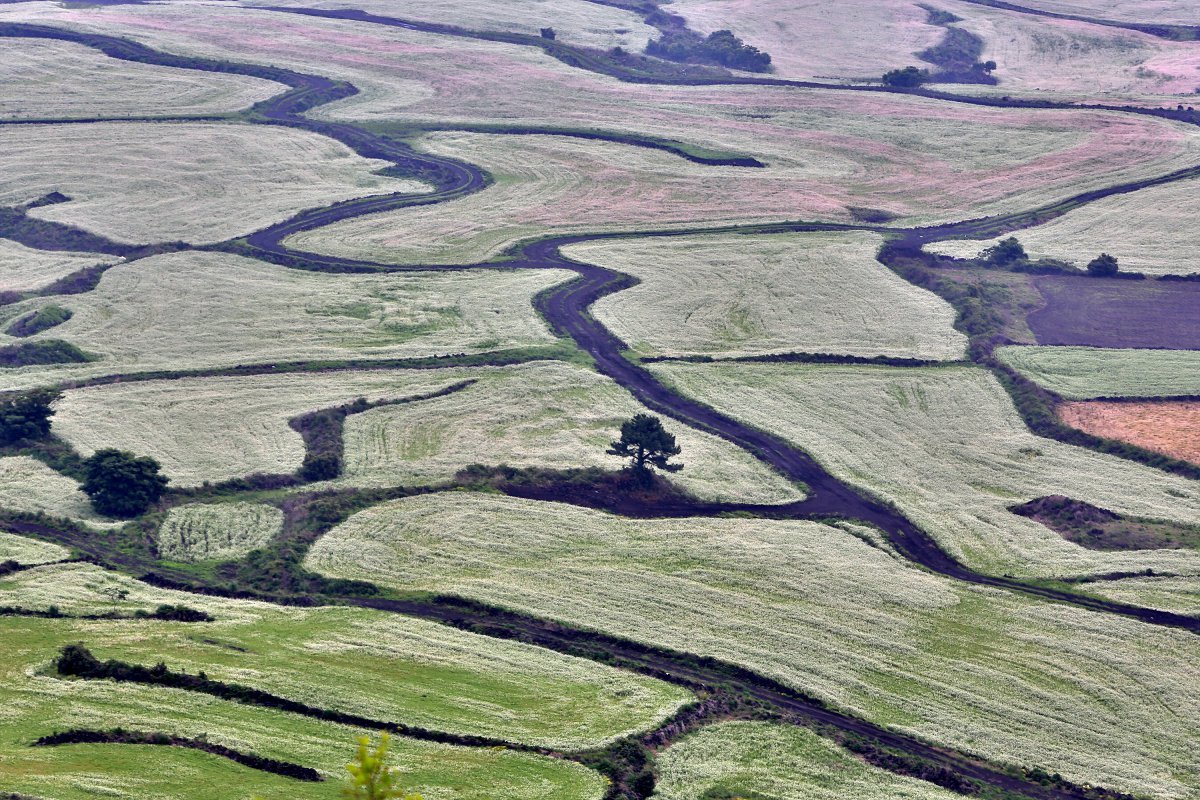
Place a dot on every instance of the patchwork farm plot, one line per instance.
(583, 393)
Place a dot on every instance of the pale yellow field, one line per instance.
(1081, 373)
(29, 485)
(29, 551)
(24, 269)
(213, 531)
(746, 295)
(241, 311)
(810, 39)
(948, 448)
(1148, 231)
(575, 21)
(197, 182)
(544, 414)
(47, 79)
(1041, 55)
(1098, 698)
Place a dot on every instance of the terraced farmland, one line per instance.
(603, 421)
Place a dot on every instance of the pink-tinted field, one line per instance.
(924, 161)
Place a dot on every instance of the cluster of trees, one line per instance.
(1010, 254)
(912, 77)
(719, 47)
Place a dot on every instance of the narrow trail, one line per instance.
(566, 309)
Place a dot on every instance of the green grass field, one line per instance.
(1081, 373)
(1016, 680)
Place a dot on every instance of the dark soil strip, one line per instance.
(15, 224)
(1100, 529)
(322, 431)
(119, 736)
(77, 662)
(1178, 33)
(957, 54)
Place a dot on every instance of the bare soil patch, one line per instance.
(1171, 427)
(1102, 312)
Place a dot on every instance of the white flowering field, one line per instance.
(204, 532)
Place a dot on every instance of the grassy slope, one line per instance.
(1016, 680)
(741, 295)
(378, 665)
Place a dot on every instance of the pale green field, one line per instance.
(47, 79)
(576, 21)
(541, 414)
(197, 182)
(948, 449)
(1098, 698)
(1148, 231)
(218, 531)
(537, 415)
(1082, 373)
(1180, 595)
(383, 666)
(241, 311)
(24, 269)
(767, 761)
(748, 295)
(29, 485)
(24, 550)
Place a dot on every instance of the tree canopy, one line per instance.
(1006, 253)
(27, 415)
(1103, 266)
(646, 443)
(121, 484)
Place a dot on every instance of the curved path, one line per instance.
(566, 309)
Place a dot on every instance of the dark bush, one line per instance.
(41, 320)
(49, 351)
(548, 33)
(1103, 266)
(720, 47)
(1006, 253)
(27, 415)
(121, 484)
(907, 78)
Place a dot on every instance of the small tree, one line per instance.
(27, 415)
(1005, 253)
(907, 78)
(1103, 266)
(121, 484)
(645, 442)
(370, 777)
(548, 33)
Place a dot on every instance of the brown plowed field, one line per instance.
(1170, 427)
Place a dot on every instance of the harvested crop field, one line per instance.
(1170, 427)
(242, 311)
(45, 79)
(1169, 12)
(763, 761)
(24, 269)
(742, 295)
(29, 485)
(1110, 312)
(947, 447)
(197, 182)
(1083, 373)
(1149, 231)
(819, 609)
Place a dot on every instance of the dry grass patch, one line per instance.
(811, 605)
(29, 485)
(47, 79)
(1149, 231)
(948, 448)
(766, 761)
(379, 665)
(1082, 373)
(241, 311)
(1163, 426)
(742, 295)
(1161, 12)
(23, 269)
(537, 415)
(812, 39)
(197, 182)
(223, 531)
(576, 21)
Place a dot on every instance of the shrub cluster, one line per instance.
(719, 47)
(26, 416)
(41, 320)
